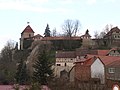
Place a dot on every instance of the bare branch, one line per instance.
(71, 27)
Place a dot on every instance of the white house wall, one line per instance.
(98, 71)
(68, 61)
(58, 69)
(69, 64)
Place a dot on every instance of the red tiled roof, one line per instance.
(90, 61)
(103, 52)
(115, 63)
(83, 52)
(67, 54)
(28, 29)
(61, 38)
(106, 59)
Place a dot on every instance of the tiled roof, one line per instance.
(67, 54)
(28, 29)
(86, 34)
(61, 38)
(115, 29)
(90, 61)
(38, 35)
(83, 52)
(115, 63)
(106, 59)
(103, 52)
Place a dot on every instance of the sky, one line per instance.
(93, 15)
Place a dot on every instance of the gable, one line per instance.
(28, 29)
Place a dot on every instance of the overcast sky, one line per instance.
(92, 14)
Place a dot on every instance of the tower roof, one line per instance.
(28, 29)
(86, 34)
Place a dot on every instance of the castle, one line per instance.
(111, 39)
(27, 36)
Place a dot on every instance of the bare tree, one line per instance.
(107, 28)
(96, 34)
(102, 34)
(54, 32)
(71, 27)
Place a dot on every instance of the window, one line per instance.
(114, 51)
(29, 35)
(111, 70)
(65, 64)
(58, 65)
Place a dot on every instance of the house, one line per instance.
(65, 58)
(64, 62)
(114, 33)
(113, 70)
(112, 67)
(113, 52)
(87, 70)
(94, 69)
(112, 38)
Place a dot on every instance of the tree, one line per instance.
(71, 27)
(21, 76)
(42, 68)
(96, 35)
(107, 28)
(47, 31)
(7, 65)
(54, 32)
(6, 52)
(102, 34)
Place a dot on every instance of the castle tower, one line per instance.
(26, 34)
(86, 39)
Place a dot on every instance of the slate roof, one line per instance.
(28, 29)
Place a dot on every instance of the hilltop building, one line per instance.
(27, 37)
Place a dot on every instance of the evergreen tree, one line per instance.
(47, 31)
(42, 68)
(21, 76)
